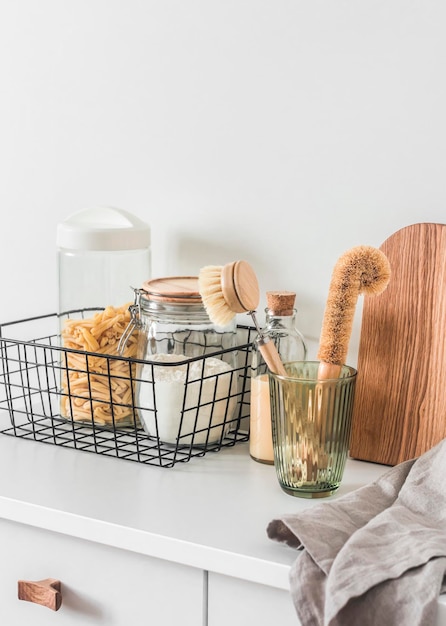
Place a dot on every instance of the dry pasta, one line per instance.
(96, 387)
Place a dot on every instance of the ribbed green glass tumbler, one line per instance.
(311, 424)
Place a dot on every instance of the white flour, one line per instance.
(205, 398)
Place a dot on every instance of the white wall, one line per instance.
(279, 131)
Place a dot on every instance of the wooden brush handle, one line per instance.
(327, 371)
(272, 358)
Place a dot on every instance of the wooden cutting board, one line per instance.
(400, 402)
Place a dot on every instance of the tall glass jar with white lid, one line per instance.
(102, 253)
(187, 386)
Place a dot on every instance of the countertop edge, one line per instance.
(196, 555)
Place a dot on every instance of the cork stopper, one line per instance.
(280, 302)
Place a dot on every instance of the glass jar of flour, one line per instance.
(186, 384)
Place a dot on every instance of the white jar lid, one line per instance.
(103, 228)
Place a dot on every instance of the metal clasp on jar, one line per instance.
(135, 320)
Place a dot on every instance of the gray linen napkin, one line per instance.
(376, 556)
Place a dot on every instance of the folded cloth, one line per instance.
(376, 556)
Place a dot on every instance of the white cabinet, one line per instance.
(138, 546)
(238, 603)
(100, 585)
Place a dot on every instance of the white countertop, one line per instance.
(210, 513)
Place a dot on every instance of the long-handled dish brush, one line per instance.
(360, 270)
(230, 289)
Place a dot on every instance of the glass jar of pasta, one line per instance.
(97, 383)
(102, 252)
(186, 390)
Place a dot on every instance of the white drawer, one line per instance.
(100, 585)
(238, 602)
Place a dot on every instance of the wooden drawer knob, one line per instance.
(46, 592)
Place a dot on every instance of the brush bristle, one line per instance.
(363, 269)
(209, 285)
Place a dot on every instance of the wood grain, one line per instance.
(246, 286)
(45, 592)
(400, 404)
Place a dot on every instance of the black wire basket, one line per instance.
(34, 364)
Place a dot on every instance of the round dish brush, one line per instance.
(360, 270)
(230, 289)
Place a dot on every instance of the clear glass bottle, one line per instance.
(186, 389)
(280, 327)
